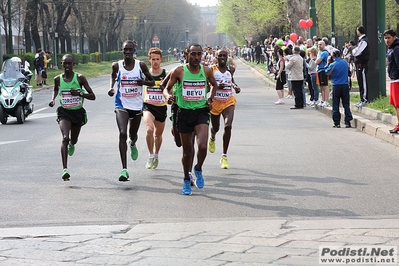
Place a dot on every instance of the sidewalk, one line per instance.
(372, 122)
(226, 242)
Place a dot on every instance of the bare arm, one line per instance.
(55, 90)
(90, 94)
(235, 86)
(150, 80)
(114, 73)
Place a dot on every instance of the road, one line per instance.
(283, 163)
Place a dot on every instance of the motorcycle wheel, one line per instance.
(19, 113)
(3, 115)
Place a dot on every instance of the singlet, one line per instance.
(129, 94)
(154, 95)
(67, 100)
(191, 92)
(224, 93)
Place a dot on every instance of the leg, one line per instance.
(336, 115)
(215, 125)
(201, 131)
(149, 120)
(346, 104)
(188, 153)
(159, 128)
(122, 119)
(134, 128)
(65, 127)
(228, 116)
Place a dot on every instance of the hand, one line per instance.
(111, 92)
(171, 99)
(237, 89)
(140, 82)
(51, 103)
(209, 104)
(75, 92)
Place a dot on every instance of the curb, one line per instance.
(377, 127)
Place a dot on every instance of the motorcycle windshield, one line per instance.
(11, 70)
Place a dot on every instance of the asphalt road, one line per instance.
(283, 163)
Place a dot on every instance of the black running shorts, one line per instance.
(187, 119)
(159, 112)
(77, 117)
(323, 78)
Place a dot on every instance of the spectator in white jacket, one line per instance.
(295, 74)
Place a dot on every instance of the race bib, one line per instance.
(194, 90)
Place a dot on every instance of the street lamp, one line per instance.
(187, 41)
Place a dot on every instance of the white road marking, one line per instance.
(11, 141)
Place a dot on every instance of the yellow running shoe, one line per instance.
(211, 146)
(224, 163)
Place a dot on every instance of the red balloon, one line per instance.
(309, 23)
(302, 23)
(293, 37)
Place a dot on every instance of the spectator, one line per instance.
(393, 71)
(362, 55)
(338, 69)
(295, 74)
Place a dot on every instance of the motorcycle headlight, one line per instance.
(14, 92)
(4, 93)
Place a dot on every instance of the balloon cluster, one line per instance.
(305, 24)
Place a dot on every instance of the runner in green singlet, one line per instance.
(71, 115)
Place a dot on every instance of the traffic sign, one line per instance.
(155, 39)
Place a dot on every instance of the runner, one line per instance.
(71, 115)
(128, 76)
(223, 104)
(154, 113)
(193, 113)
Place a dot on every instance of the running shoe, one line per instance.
(124, 176)
(186, 187)
(191, 178)
(211, 145)
(155, 163)
(199, 180)
(65, 175)
(149, 163)
(134, 153)
(395, 130)
(224, 164)
(71, 149)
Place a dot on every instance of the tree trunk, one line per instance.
(297, 10)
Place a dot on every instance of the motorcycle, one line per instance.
(15, 93)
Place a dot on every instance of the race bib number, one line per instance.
(69, 101)
(194, 90)
(130, 89)
(223, 94)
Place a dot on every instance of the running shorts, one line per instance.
(219, 106)
(159, 112)
(187, 119)
(77, 117)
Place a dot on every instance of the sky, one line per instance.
(204, 2)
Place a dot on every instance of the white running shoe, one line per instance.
(326, 104)
(320, 104)
(289, 96)
(280, 101)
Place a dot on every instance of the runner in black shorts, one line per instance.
(72, 88)
(155, 110)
